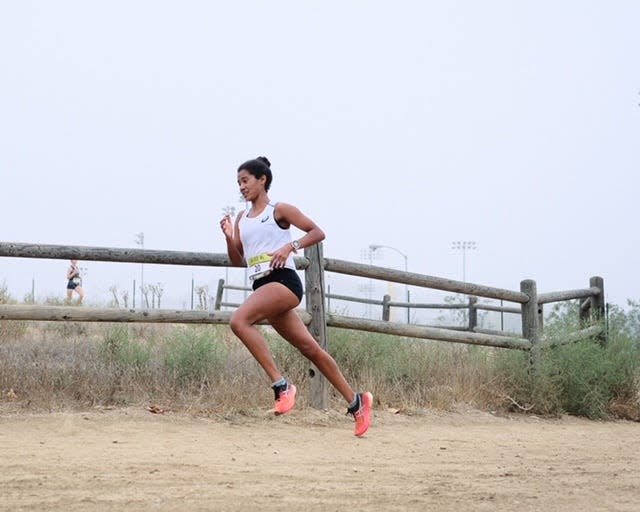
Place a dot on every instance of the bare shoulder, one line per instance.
(283, 209)
(288, 214)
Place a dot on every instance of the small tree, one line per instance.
(203, 297)
(125, 298)
(156, 294)
(114, 291)
(145, 295)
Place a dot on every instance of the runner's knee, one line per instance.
(238, 322)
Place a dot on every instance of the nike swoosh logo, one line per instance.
(265, 219)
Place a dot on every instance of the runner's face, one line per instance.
(250, 186)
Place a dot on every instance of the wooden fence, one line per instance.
(471, 307)
(314, 315)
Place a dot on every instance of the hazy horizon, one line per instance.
(408, 124)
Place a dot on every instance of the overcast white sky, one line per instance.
(410, 124)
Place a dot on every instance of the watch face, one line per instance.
(296, 244)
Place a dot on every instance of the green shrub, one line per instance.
(10, 329)
(580, 378)
(192, 354)
(120, 350)
(625, 324)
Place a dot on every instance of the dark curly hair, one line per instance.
(259, 167)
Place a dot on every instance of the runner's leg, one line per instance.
(267, 301)
(291, 328)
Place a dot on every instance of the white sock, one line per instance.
(280, 382)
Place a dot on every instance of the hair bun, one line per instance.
(264, 160)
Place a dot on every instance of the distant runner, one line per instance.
(74, 282)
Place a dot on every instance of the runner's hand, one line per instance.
(279, 257)
(226, 224)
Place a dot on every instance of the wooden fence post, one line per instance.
(386, 309)
(219, 293)
(530, 312)
(584, 310)
(315, 303)
(598, 304)
(473, 313)
(597, 301)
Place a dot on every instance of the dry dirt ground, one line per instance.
(132, 459)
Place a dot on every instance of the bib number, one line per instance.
(259, 266)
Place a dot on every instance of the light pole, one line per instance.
(375, 247)
(464, 246)
(368, 255)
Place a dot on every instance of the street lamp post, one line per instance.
(375, 247)
(368, 255)
(464, 246)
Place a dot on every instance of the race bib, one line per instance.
(259, 266)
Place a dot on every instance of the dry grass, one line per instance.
(57, 365)
(206, 370)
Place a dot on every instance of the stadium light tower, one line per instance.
(464, 246)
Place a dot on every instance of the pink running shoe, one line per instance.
(285, 398)
(361, 412)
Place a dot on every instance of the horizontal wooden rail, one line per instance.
(410, 278)
(122, 255)
(573, 337)
(360, 300)
(493, 332)
(418, 305)
(431, 333)
(546, 298)
(85, 314)
(230, 304)
(447, 327)
(499, 309)
(238, 288)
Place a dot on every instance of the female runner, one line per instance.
(261, 240)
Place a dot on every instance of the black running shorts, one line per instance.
(285, 276)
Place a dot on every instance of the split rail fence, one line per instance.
(315, 314)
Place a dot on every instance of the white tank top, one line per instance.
(261, 235)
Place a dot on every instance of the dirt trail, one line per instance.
(130, 459)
